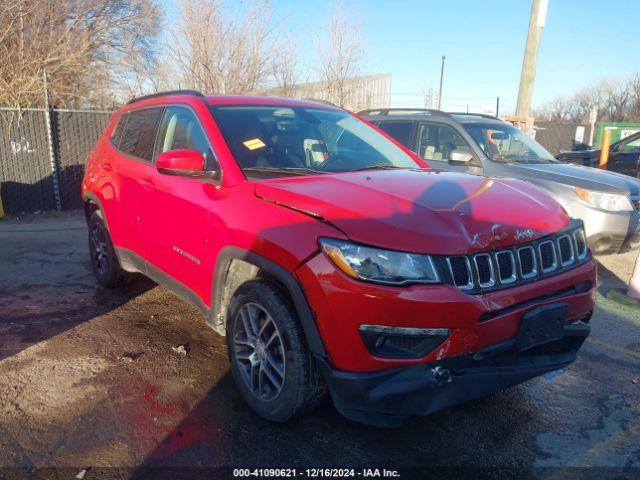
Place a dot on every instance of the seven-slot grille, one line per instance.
(504, 268)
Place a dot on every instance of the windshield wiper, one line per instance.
(382, 166)
(291, 170)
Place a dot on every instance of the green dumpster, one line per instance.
(619, 130)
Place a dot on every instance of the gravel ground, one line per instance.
(89, 378)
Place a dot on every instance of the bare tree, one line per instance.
(340, 57)
(219, 54)
(613, 100)
(78, 43)
(616, 100)
(286, 69)
(634, 87)
(559, 109)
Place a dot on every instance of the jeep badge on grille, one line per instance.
(527, 233)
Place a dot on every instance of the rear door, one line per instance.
(129, 162)
(175, 210)
(401, 130)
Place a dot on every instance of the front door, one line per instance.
(175, 210)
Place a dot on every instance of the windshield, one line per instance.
(506, 143)
(277, 141)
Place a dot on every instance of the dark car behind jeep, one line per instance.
(624, 156)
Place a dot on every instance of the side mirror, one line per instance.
(460, 155)
(186, 163)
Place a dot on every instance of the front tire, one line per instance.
(270, 361)
(104, 262)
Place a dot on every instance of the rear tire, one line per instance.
(270, 362)
(104, 261)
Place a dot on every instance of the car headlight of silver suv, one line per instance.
(611, 202)
(379, 266)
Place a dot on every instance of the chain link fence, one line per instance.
(42, 157)
(42, 154)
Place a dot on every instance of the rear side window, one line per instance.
(117, 132)
(401, 131)
(139, 133)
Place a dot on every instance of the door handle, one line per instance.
(106, 166)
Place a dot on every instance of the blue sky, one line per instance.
(583, 41)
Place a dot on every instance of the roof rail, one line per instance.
(483, 115)
(386, 111)
(195, 93)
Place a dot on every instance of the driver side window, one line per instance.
(437, 141)
(181, 130)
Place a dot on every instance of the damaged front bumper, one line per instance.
(387, 398)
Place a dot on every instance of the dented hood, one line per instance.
(421, 210)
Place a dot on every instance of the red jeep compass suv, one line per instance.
(333, 258)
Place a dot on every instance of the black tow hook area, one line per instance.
(441, 375)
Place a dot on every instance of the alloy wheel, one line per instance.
(259, 351)
(99, 249)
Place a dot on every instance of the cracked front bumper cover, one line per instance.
(387, 398)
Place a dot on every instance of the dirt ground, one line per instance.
(89, 378)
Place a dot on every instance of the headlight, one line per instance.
(379, 266)
(611, 202)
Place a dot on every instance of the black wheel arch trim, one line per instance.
(90, 197)
(293, 287)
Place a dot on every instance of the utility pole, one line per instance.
(527, 77)
(497, 106)
(441, 78)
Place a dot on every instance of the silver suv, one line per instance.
(607, 202)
